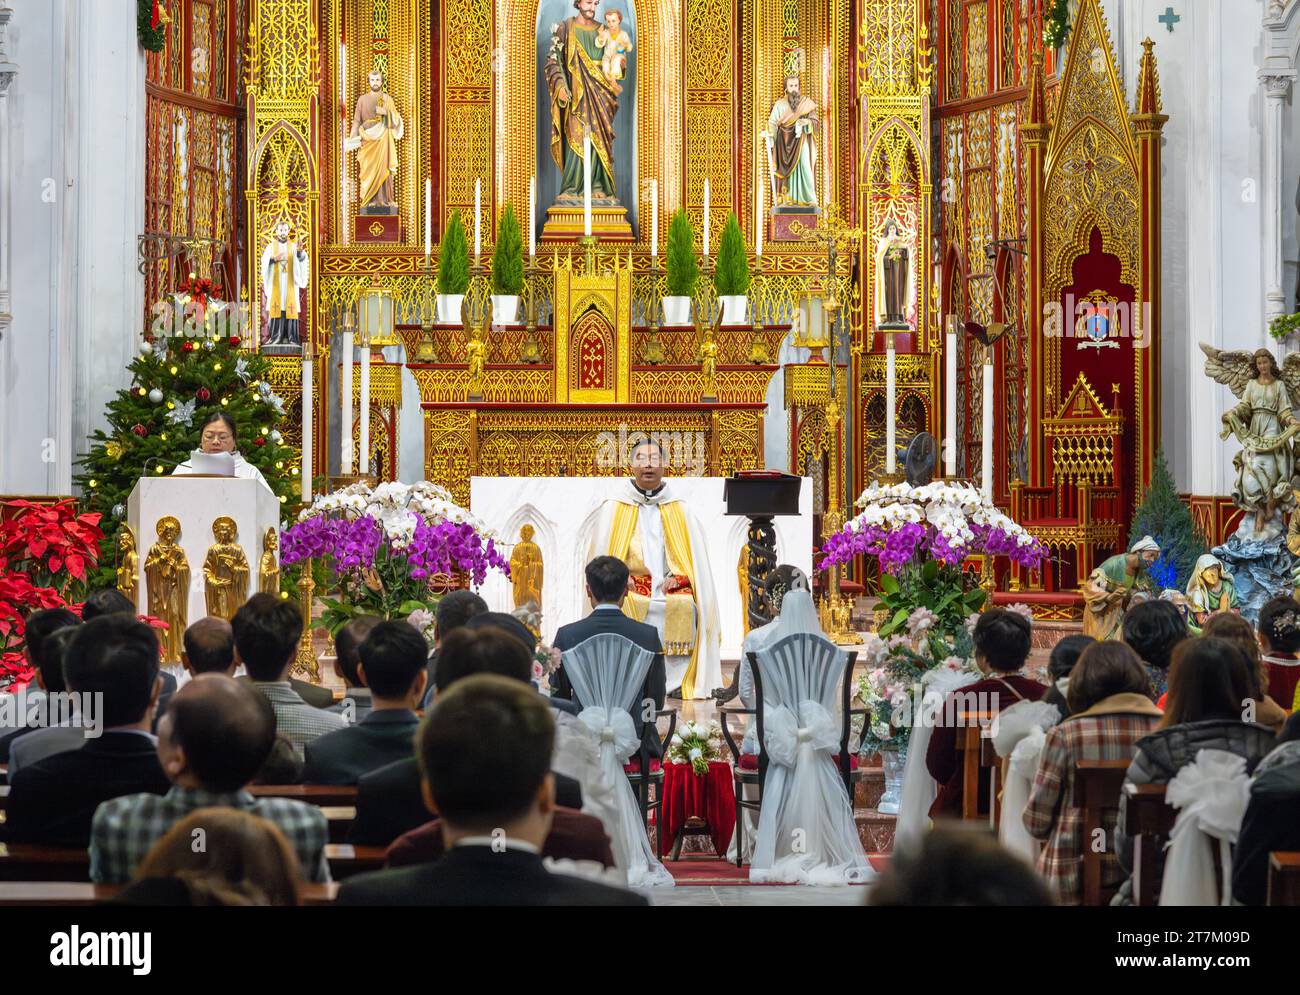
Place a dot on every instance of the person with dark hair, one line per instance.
(1279, 639)
(1002, 643)
(1154, 628)
(1109, 710)
(113, 664)
(347, 658)
(1235, 629)
(485, 753)
(282, 764)
(1212, 685)
(38, 627)
(957, 865)
(109, 601)
(211, 743)
(607, 579)
(62, 730)
(1065, 654)
(393, 659)
(455, 608)
(219, 434)
(266, 631)
(482, 650)
(246, 862)
(209, 647)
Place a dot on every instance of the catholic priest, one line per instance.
(284, 273)
(671, 585)
(1110, 588)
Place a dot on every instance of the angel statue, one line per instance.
(1263, 423)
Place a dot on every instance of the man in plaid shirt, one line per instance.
(212, 740)
(266, 640)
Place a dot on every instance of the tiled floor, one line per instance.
(756, 895)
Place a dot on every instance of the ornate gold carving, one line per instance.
(225, 571)
(385, 385)
(167, 576)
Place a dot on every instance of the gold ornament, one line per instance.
(168, 574)
(225, 571)
(128, 565)
(113, 449)
(268, 576)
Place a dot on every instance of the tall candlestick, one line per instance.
(532, 216)
(478, 243)
(706, 217)
(950, 401)
(986, 426)
(428, 218)
(363, 457)
(586, 183)
(308, 370)
(654, 218)
(345, 402)
(758, 214)
(891, 428)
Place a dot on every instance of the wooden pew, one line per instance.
(340, 819)
(346, 860)
(50, 894)
(4, 796)
(977, 752)
(1097, 785)
(1283, 879)
(312, 794)
(1149, 821)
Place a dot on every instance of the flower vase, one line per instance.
(893, 762)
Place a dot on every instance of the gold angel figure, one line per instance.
(225, 571)
(268, 574)
(526, 569)
(167, 572)
(128, 563)
(1263, 423)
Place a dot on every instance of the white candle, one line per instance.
(345, 403)
(478, 243)
(986, 425)
(891, 428)
(428, 219)
(654, 218)
(950, 401)
(586, 183)
(363, 460)
(758, 214)
(532, 216)
(706, 217)
(307, 420)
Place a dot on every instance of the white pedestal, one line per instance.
(563, 511)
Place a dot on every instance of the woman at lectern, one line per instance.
(217, 435)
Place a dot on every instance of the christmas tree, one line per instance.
(1165, 518)
(154, 424)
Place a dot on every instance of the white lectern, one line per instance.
(196, 502)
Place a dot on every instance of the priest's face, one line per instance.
(282, 232)
(647, 466)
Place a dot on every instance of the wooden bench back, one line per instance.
(977, 752)
(1283, 878)
(1097, 786)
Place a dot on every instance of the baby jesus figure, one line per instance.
(615, 43)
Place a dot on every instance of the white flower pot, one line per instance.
(449, 308)
(677, 310)
(735, 308)
(505, 309)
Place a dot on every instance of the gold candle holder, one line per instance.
(306, 663)
(652, 350)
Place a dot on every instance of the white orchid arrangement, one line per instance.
(395, 506)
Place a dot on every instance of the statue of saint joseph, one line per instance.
(583, 99)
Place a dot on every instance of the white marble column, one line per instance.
(1276, 84)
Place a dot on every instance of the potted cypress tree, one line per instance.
(683, 270)
(453, 271)
(507, 269)
(731, 276)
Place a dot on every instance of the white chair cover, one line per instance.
(607, 672)
(1211, 794)
(806, 833)
(919, 788)
(577, 755)
(1021, 730)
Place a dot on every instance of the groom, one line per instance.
(671, 586)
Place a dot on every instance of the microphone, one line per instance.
(155, 461)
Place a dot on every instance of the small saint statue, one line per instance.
(894, 278)
(476, 346)
(791, 144)
(268, 572)
(225, 571)
(1210, 589)
(1118, 581)
(284, 273)
(708, 357)
(377, 127)
(615, 42)
(128, 563)
(526, 569)
(167, 573)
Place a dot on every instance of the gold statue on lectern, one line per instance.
(268, 574)
(128, 565)
(167, 573)
(225, 571)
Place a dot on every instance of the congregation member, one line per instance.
(1110, 709)
(455, 608)
(208, 647)
(1154, 629)
(211, 743)
(392, 667)
(390, 800)
(485, 754)
(266, 631)
(514, 626)
(111, 601)
(114, 658)
(347, 657)
(62, 730)
(1235, 629)
(1272, 820)
(607, 579)
(39, 625)
(1209, 680)
(1279, 639)
(1002, 642)
(957, 865)
(247, 861)
(1060, 664)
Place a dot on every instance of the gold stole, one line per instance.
(290, 307)
(681, 613)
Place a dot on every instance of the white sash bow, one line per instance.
(1211, 794)
(613, 728)
(787, 741)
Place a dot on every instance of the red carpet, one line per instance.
(704, 871)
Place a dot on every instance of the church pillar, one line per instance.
(8, 71)
(1276, 84)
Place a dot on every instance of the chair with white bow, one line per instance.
(1211, 794)
(607, 672)
(806, 833)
